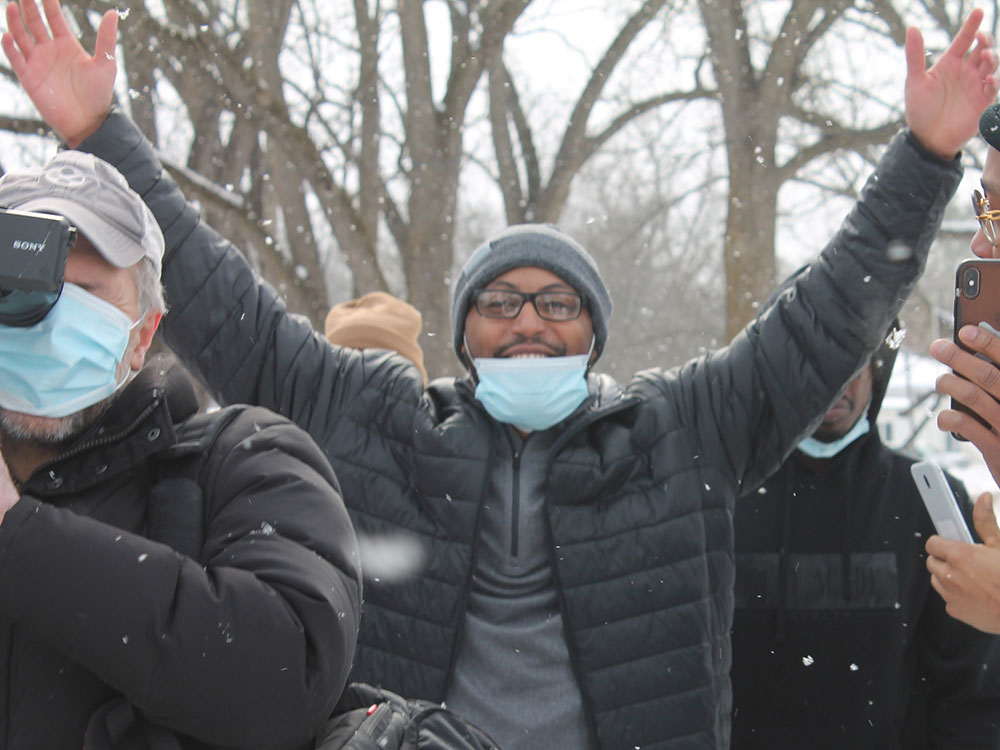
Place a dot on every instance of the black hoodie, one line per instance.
(838, 639)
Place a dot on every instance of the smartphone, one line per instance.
(977, 302)
(940, 501)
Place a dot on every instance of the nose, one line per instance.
(528, 320)
(982, 247)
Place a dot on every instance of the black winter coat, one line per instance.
(642, 480)
(839, 641)
(248, 647)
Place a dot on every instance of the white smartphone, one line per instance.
(941, 503)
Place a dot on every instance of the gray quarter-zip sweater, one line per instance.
(513, 661)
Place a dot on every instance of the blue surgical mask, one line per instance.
(532, 393)
(68, 360)
(818, 449)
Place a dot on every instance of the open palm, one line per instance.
(71, 89)
(943, 104)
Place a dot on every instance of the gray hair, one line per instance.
(149, 287)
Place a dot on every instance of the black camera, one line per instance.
(33, 248)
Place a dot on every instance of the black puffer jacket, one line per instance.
(839, 641)
(248, 647)
(641, 480)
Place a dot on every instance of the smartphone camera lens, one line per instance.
(970, 283)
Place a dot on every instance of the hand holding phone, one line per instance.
(940, 501)
(977, 302)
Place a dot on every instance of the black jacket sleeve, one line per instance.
(756, 398)
(250, 650)
(232, 329)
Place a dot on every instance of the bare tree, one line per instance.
(325, 131)
(787, 106)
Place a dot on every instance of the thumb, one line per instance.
(107, 37)
(916, 63)
(986, 521)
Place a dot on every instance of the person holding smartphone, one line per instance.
(968, 576)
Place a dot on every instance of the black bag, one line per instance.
(370, 718)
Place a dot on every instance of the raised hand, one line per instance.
(943, 104)
(71, 89)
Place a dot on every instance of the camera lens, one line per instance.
(970, 283)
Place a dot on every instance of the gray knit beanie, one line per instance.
(541, 246)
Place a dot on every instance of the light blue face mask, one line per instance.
(532, 393)
(818, 449)
(68, 360)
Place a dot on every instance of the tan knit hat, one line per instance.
(378, 321)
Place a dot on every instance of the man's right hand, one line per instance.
(71, 90)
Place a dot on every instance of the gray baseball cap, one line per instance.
(94, 197)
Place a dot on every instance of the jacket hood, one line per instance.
(882, 363)
(882, 359)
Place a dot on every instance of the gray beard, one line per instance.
(50, 432)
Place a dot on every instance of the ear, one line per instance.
(145, 332)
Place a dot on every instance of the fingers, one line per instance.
(984, 57)
(986, 521)
(916, 63)
(14, 55)
(107, 36)
(983, 54)
(33, 21)
(966, 35)
(937, 553)
(17, 30)
(979, 369)
(980, 339)
(977, 398)
(57, 21)
(936, 584)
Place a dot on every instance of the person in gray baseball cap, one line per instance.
(168, 579)
(572, 569)
(88, 345)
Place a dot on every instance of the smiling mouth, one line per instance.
(528, 349)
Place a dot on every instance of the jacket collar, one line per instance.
(139, 424)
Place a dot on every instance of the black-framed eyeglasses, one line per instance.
(988, 219)
(506, 303)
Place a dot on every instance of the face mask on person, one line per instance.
(68, 360)
(532, 393)
(818, 449)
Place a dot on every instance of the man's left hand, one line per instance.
(943, 104)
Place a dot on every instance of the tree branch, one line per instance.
(832, 141)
